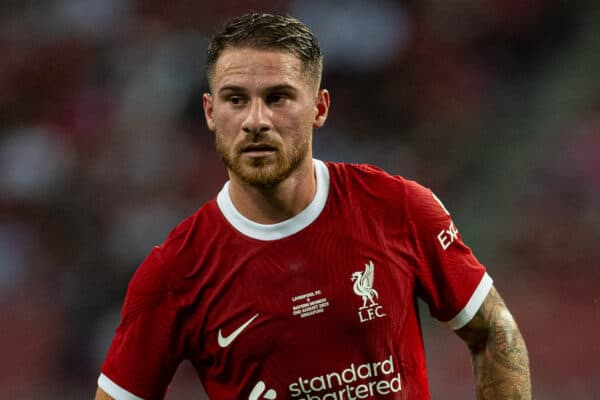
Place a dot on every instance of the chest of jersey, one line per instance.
(326, 300)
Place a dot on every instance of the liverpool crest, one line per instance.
(363, 287)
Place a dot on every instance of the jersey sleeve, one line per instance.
(148, 345)
(450, 279)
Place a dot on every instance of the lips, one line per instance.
(258, 148)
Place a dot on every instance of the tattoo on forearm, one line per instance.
(500, 360)
(507, 346)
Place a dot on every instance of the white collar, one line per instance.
(285, 228)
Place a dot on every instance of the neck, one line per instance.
(276, 203)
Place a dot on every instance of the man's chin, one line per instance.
(263, 171)
(262, 176)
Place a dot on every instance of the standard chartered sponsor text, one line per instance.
(364, 381)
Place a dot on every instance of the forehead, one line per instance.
(247, 66)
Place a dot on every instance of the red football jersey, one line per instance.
(321, 306)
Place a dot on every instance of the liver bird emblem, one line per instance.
(363, 285)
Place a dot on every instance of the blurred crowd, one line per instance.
(493, 104)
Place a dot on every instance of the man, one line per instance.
(299, 281)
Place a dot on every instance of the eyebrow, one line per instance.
(276, 88)
(282, 88)
(231, 88)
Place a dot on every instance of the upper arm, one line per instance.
(101, 395)
(449, 277)
(150, 341)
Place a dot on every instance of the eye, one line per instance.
(236, 100)
(276, 98)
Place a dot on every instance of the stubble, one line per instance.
(263, 172)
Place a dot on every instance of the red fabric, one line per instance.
(208, 277)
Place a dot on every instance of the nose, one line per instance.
(258, 119)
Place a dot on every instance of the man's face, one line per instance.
(262, 109)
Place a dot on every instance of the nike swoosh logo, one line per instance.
(226, 341)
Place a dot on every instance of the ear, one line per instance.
(207, 104)
(321, 108)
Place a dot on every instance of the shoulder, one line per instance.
(424, 205)
(393, 195)
(351, 169)
(366, 176)
(169, 261)
(378, 184)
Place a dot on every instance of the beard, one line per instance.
(265, 171)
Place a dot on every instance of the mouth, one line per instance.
(258, 150)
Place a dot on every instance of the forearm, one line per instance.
(501, 367)
(498, 351)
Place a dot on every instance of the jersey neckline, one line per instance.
(281, 229)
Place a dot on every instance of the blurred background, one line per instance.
(494, 104)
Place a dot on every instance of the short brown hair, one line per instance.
(268, 32)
